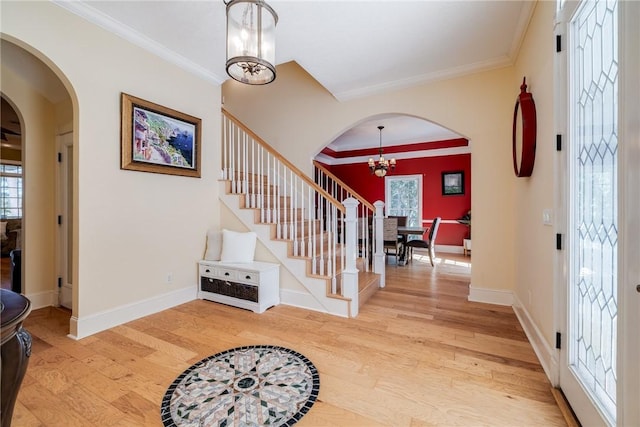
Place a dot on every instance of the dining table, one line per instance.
(404, 232)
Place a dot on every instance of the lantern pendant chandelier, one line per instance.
(251, 36)
(382, 166)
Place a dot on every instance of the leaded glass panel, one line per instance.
(594, 87)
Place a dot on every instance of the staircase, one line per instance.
(312, 233)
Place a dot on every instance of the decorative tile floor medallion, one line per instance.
(245, 386)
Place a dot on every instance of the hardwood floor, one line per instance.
(419, 354)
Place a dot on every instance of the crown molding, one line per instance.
(438, 152)
(492, 64)
(89, 13)
(524, 19)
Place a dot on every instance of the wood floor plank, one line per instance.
(142, 411)
(23, 417)
(327, 415)
(419, 354)
(48, 408)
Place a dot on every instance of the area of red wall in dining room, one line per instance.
(452, 207)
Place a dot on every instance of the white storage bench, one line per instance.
(253, 286)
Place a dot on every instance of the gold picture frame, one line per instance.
(158, 139)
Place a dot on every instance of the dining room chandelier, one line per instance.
(251, 36)
(381, 167)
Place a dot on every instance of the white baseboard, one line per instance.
(300, 299)
(42, 299)
(449, 249)
(490, 296)
(82, 327)
(548, 356)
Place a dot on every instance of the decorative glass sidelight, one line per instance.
(594, 200)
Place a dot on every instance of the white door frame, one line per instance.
(64, 171)
(629, 211)
(628, 339)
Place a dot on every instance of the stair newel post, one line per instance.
(378, 258)
(350, 272)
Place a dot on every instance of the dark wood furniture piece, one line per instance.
(390, 239)
(429, 244)
(16, 349)
(403, 238)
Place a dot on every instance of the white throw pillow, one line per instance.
(214, 246)
(3, 230)
(238, 247)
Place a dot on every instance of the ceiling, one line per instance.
(354, 48)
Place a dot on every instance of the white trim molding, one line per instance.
(85, 326)
(490, 296)
(301, 300)
(449, 249)
(97, 17)
(547, 356)
(42, 299)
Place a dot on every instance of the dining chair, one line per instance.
(390, 237)
(429, 244)
(402, 220)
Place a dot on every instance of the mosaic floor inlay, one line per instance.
(245, 386)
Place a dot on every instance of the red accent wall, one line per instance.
(358, 177)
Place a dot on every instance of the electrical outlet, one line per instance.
(169, 278)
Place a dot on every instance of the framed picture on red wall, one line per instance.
(452, 183)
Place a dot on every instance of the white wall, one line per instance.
(535, 242)
(296, 111)
(132, 228)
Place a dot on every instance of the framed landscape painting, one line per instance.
(158, 139)
(452, 183)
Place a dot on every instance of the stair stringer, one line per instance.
(316, 287)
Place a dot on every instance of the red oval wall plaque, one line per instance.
(527, 108)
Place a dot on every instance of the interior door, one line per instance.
(598, 358)
(65, 212)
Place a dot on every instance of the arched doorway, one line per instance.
(43, 101)
(425, 154)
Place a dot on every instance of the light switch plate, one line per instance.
(547, 216)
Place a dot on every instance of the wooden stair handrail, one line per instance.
(286, 162)
(353, 192)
